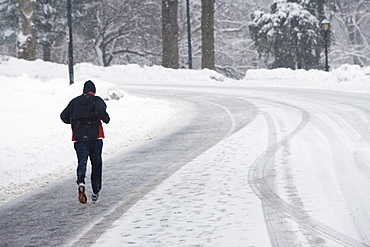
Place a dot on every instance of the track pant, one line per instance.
(92, 149)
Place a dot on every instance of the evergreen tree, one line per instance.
(315, 7)
(290, 34)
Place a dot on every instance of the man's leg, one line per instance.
(82, 151)
(97, 163)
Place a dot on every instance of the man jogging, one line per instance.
(85, 114)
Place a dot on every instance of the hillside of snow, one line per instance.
(36, 147)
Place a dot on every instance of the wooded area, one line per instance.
(108, 32)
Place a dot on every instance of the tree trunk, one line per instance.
(26, 38)
(207, 22)
(170, 34)
(46, 50)
(47, 28)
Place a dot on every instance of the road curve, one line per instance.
(330, 128)
(52, 216)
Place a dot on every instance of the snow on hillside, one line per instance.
(36, 146)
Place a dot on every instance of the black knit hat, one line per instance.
(89, 87)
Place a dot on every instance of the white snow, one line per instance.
(36, 147)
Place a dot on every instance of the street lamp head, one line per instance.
(325, 24)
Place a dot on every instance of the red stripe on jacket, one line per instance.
(101, 131)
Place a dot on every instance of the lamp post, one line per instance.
(325, 26)
(189, 34)
(70, 42)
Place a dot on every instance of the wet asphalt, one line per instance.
(52, 215)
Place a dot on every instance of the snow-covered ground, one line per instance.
(36, 146)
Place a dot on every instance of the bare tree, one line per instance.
(351, 19)
(123, 32)
(208, 40)
(233, 49)
(234, 52)
(50, 26)
(26, 38)
(170, 32)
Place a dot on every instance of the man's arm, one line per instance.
(66, 114)
(100, 110)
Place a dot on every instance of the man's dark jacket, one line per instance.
(84, 113)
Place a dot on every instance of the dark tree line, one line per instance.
(148, 32)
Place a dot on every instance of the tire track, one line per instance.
(278, 224)
(260, 185)
(359, 218)
(354, 124)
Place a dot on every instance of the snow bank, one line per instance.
(36, 146)
(136, 74)
(346, 78)
(133, 73)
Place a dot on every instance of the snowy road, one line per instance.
(51, 216)
(315, 158)
(305, 158)
(296, 163)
